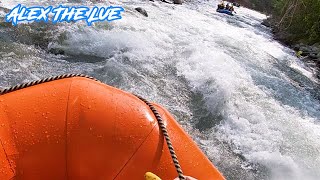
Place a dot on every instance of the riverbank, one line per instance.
(310, 54)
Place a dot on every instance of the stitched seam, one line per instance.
(66, 130)
(125, 165)
(7, 156)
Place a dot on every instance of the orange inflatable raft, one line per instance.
(77, 128)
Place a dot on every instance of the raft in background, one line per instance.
(225, 11)
(77, 128)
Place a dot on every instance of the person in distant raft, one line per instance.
(228, 6)
(231, 8)
(221, 5)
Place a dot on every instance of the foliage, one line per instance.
(299, 18)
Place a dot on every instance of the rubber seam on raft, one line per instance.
(4, 150)
(66, 129)
(125, 165)
(7, 157)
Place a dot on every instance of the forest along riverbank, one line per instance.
(296, 24)
(309, 54)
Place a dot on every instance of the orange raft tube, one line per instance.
(77, 128)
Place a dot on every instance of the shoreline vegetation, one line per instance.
(295, 23)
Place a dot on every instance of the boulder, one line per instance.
(306, 49)
(304, 53)
(317, 61)
(296, 47)
(165, 1)
(313, 56)
(177, 1)
(56, 51)
(315, 48)
(142, 11)
(266, 23)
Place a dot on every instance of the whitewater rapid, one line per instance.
(247, 101)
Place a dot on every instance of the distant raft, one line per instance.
(78, 128)
(225, 11)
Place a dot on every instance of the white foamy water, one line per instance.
(259, 116)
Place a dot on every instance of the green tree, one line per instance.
(300, 19)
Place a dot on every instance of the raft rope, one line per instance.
(153, 109)
(32, 83)
(166, 135)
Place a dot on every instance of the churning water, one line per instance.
(246, 100)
